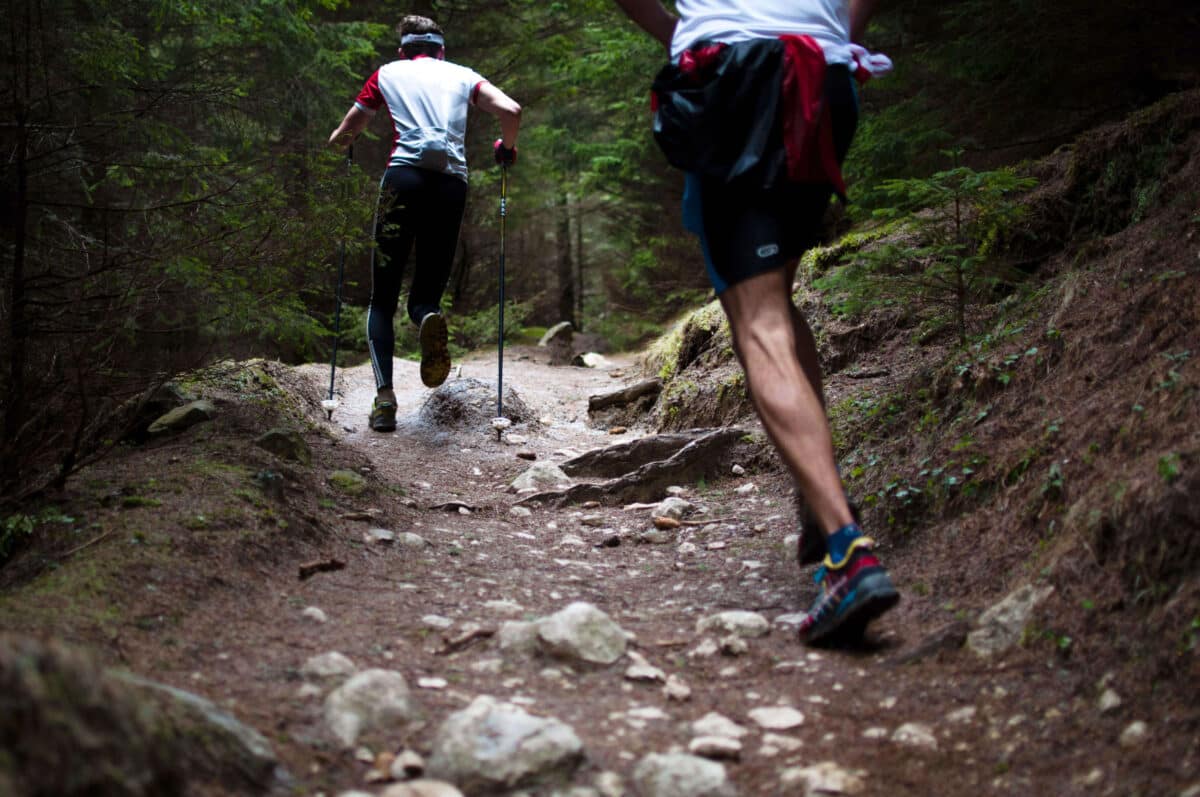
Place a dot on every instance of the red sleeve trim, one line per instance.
(475, 92)
(370, 99)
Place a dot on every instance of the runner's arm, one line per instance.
(504, 108)
(355, 122)
(651, 17)
(860, 14)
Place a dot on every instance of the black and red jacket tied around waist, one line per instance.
(751, 113)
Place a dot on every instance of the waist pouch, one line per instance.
(717, 112)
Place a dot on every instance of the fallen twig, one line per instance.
(324, 566)
(90, 542)
(470, 633)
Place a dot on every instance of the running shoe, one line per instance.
(435, 351)
(853, 593)
(812, 542)
(383, 416)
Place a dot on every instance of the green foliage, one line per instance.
(176, 200)
(480, 329)
(946, 256)
(14, 531)
(1169, 467)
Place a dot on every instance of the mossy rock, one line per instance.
(184, 417)
(348, 482)
(69, 727)
(285, 444)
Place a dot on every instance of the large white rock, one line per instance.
(493, 746)
(1001, 626)
(583, 632)
(541, 475)
(369, 700)
(742, 623)
(681, 775)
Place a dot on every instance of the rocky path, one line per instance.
(478, 644)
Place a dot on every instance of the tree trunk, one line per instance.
(562, 240)
(578, 320)
(15, 405)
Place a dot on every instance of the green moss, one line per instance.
(137, 501)
(348, 482)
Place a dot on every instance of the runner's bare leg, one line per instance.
(778, 356)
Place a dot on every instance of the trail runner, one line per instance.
(758, 106)
(422, 194)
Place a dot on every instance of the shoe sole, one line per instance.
(874, 595)
(385, 426)
(380, 424)
(435, 352)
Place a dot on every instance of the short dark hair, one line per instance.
(417, 24)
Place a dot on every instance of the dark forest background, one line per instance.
(168, 198)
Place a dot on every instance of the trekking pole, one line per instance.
(330, 403)
(500, 358)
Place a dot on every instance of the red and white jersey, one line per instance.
(732, 21)
(427, 99)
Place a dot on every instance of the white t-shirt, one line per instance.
(827, 21)
(427, 99)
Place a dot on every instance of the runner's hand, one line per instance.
(504, 155)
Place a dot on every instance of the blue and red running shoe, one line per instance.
(854, 592)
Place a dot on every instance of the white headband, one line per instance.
(422, 38)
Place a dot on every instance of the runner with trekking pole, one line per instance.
(758, 106)
(423, 193)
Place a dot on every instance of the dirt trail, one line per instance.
(1016, 730)
(1026, 723)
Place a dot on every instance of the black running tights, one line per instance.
(421, 207)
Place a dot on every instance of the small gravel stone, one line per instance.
(740, 623)
(822, 779)
(776, 718)
(520, 511)
(914, 734)
(734, 645)
(1109, 701)
(437, 621)
(641, 669)
(964, 714)
(677, 689)
(314, 614)
(716, 747)
(714, 724)
(328, 665)
(1135, 734)
(409, 764)
(788, 743)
